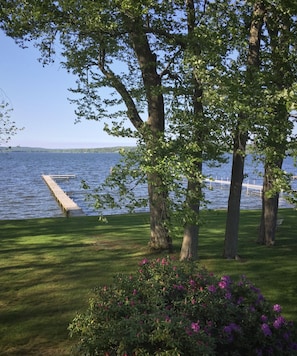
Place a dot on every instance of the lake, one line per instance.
(23, 193)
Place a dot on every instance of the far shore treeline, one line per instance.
(114, 149)
(66, 150)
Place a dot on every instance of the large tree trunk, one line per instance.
(160, 239)
(152, 133)
(233, 212)
(267, 229)
(279, 127)
(189, 249)
(240, 139)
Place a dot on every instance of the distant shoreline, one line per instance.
(115, 149)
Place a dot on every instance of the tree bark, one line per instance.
(159, 239)
(152, 132)
(240, 139)
(189, 249)
(278, 26)
(267, 229)
(233, 212)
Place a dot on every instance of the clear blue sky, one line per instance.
(38, 96)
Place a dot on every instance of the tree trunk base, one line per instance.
(235, 258)
(158, 247)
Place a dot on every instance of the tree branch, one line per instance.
(115, 81)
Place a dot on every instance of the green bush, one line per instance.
(173, 308)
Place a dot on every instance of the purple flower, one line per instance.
(227, 329)
(192, 283)
(235, 327)
(228, 295)
(266, 329)
(231, 327)
(264, 318)
(278, 322)
(240, 300)
(212, 288)
(226, 279)
(277, 308)
(286, 336)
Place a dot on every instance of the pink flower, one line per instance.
(224, 282)
(164, 261)
(195, 327)
(144, 262)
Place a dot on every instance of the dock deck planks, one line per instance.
(67, 204)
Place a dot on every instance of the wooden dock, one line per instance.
(69, 207)
(249, 187)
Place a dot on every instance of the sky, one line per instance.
(38, 96)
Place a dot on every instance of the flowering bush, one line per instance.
(173, 308)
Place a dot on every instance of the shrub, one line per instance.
(173, 308)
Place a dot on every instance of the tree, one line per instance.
(240, 133)
(269, 92)
(277, 135)
(189, 249)
(96, 35)
(7, 127)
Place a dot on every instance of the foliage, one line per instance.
(7, 127)
(173, 308)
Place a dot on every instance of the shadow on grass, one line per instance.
(49, 266)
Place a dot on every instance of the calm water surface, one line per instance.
(23, 193)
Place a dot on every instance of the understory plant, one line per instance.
(178, 308)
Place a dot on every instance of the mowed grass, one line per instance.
(50, 266)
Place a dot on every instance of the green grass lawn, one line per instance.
(49, 266)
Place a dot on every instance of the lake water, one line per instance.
(23, 193)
